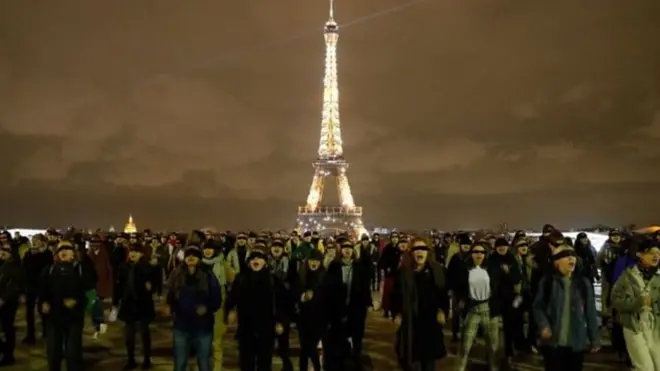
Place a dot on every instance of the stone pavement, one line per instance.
(107, 352)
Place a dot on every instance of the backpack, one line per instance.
(77, 267)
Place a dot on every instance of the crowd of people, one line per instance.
(520, 295)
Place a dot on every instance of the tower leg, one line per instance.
(344, 191)
(316, 190)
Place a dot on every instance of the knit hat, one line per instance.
(501, 242)
(648, 245)
(315, 254)
(192, 251)
(258, 252)
(64, 245)
(464, 239)
(136, 247)
(278, 243)
(548, 228)
(556, 238)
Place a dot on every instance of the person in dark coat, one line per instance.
(12, 286)
(133, 302)
(311, 320)
(420, 304)
(504, 263)
(35, 262)
(389, 264)
(194, 297)
(348, 294)
(63, 300)
(256, 301)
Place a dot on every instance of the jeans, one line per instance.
(97, 314)
(185, 341)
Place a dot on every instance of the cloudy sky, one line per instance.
(454, 113)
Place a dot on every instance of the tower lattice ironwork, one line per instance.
(330, 162)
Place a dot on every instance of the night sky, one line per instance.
(455, 114)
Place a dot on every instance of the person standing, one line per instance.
(565, 312)
(12, 285)
(35, 262)
(633, 298)
(420, 342)
(63, 301)
(134, 304)
(194, 297)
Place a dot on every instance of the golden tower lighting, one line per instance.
(314, 215)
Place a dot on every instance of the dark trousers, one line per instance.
(284, 349)
(517, 332)
(30, 308)
(562, 359)
(309, 340)
(64, 341)
(157, 282)
(130, 333)
(255, 353)
(344, 342)
(376, 277)
(8, 327)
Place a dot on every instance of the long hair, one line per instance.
(407, 260)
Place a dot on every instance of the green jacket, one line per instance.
(627, 296)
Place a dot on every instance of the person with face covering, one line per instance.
(256, 302)
(348, 297)
(213, 262)
(477, 291)
(62, 299)
(420, 304)
(504, 263)
(389, 264)
(237, 257)
(35, 262)
(133, 296)
(278, 264)
(606, 260)
(521, 341)
(565, 312)
(311, 321)
(12, 286)
(194, 297)
(636, 299)
(456, 266)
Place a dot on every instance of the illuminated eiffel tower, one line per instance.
(315, 215)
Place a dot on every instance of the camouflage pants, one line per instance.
(476, 318)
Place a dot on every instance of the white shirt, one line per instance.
(479, 282)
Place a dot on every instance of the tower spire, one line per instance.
(330, 143)
(332, 11)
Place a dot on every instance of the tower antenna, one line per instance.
(332, 10)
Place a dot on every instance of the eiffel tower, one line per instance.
(315, 215)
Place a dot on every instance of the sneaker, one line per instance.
(96, 335)
(103, 328)
(146, 364)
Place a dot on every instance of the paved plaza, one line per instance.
(107, 352)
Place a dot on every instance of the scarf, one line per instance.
(647, 272)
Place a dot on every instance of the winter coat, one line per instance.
(100, 259)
